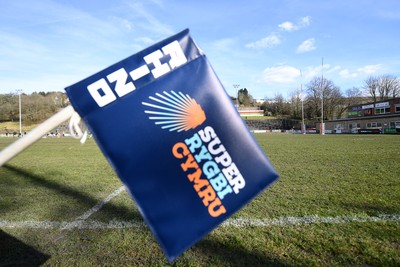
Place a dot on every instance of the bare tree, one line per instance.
(396, 88)
(333, 99)
(388, 87)
(371, 87)
(352, 97)
(313, 101)
(319, 88)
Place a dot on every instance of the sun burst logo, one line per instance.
(175, 111)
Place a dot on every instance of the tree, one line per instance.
(388, 87)
(352, 97)
(35, 107)
(322, 90)
(281, 106)
(382, 87)
(245, 99)
(277, 106)
(333, 99)
(9, 110)
(313, 100)
(269, 107)
(371, 87)
(295, 104)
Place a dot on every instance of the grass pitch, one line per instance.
(326, 177)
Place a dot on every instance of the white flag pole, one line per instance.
(18, 146)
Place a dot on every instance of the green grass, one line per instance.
(332, 175)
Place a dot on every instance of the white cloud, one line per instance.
(346, 73)
(145, 40)
(150, 22)
(306, 46)
(224, 44)
(275, 39)
(369, 69)
(331, 70)
(313, 71)
(158, 3)
(267, 42)
(124, 23)
(290, 26)
(287, 26)
(280, 74)
(67, 40)
(305, 21)
(365, 70)
(14, 47)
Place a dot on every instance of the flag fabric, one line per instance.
(172, 134)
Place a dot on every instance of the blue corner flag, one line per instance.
(170, 131)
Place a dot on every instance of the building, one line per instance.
(378, 117)
(250, 112)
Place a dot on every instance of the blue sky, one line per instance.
(47, 45)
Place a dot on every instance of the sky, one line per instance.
(270, 47)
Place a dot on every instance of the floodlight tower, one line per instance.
(236, 86)
(303, 127)
(19, 91)
(322, 99)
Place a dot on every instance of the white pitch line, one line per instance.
(239, 223)
(90, 224)
(312, 219)
(79, 220)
